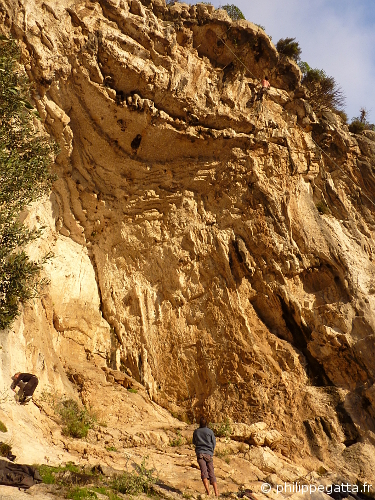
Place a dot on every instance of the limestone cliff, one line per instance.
(189, 251)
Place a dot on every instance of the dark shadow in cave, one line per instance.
(301, 335)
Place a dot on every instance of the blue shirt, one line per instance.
(204, 440)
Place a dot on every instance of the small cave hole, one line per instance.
(120, 97)
(136, 142)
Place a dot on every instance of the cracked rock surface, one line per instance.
(206, 251)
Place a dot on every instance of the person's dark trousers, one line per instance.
(30, 387)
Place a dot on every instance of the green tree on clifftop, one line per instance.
(25, 157)
(233, 12)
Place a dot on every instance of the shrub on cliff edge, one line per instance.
(361, 123)
(233, 12)
(290, 48)
(323, 91)
(25, 157)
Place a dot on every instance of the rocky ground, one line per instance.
(131, 430)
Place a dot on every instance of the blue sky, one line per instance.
(337, 36)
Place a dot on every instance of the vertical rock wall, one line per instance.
(189, 248)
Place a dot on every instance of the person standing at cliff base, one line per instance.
(205, 442)
(27, 382)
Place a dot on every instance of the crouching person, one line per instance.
(205, 442)
(27, 383)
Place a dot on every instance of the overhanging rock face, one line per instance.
(212, 276)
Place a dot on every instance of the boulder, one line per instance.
(269, 463)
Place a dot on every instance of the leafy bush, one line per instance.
(78, 493)
(178, 440)
(76, 421)
(323, 91)
(82, 484)
(48, 473)
(290, 48)
(233, 12)
(361, 123)
(222, 429)
(25, 157)
(133, 483)
(304, 67)
(356, 126)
